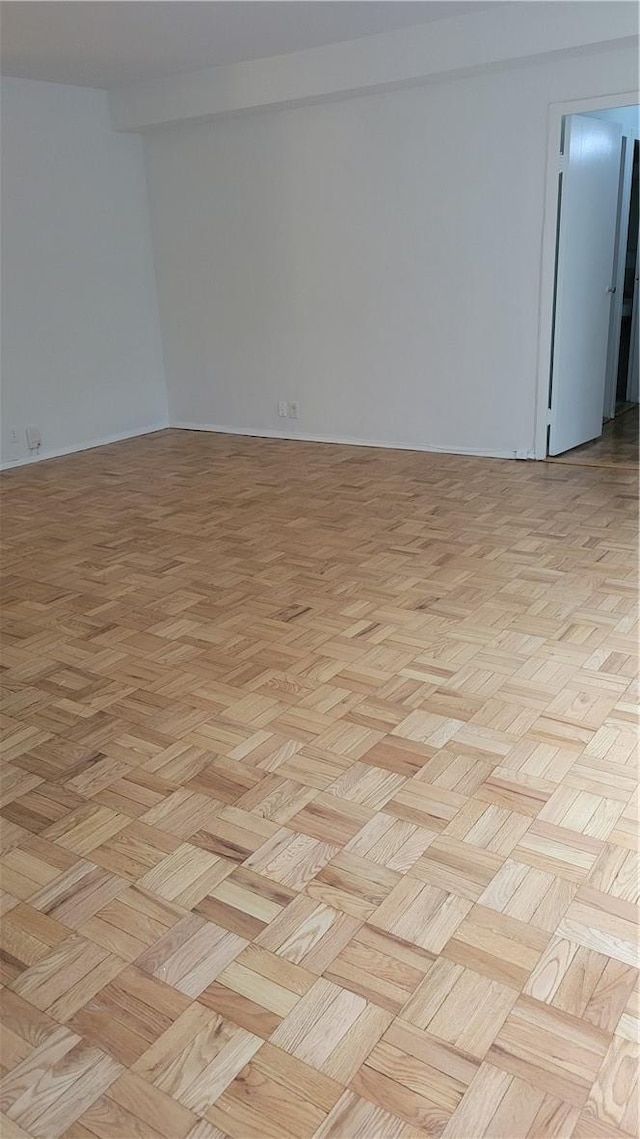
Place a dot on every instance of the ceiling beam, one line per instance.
(457, 45)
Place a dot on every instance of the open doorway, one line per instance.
(626, 377)
(593, 390)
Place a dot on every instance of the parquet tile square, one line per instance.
(503, 1106)
(186, 875)
(583, 812)
(424, 1079)
(399, 1100)
(23, 1019)
(398, 755)
(272, 1088)
(319, 808)
(234, 834)
(276, 799)
(182, 813)
(244, 902)
(550, 1049)
(456, 771)
(32, 866)
(331, 1029)
(257, 990)
(530, 895)
(85, 828)
(559, 851)
(353, 1115)
(428, 728)
(617, 872)
(613, 1099)
(425, 804)
(291, 859)
(35, 1095)
(597, 775)
(492, 828)
(98, 775)
(131, 922)
(330, 818)
(605, 923)
(78, 894)
(625, 833)
(67, 977)
(460, 1007)
(11, 835)
(457, 867)
(191, 954)
(308, 933)
(313, 768)
(25, 937)
(582, 982)
(225, 780)
(197, 1057)
(352, 884)
(41, 806)
(499, 947)
(132, 1107)
(516, 791)
(133, 794)
(629, 1024)
(380, 967)
(424, 915)
(391, 842)
(129, 1014)
(134, 850)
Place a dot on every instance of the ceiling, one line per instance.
(97, 44)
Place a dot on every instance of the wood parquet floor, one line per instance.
(319, 802)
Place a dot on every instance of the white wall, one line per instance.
(81, 351)
(375, 258)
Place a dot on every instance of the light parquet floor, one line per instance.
(319, 800)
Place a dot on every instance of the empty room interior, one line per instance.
(319, 518)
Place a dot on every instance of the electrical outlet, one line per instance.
(283, 409)
(13, 434)
(34, 438)
(294, 409)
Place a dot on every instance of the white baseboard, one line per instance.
(265, 433)
(350, 440)
(40, 456)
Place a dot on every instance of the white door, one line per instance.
(586, 242)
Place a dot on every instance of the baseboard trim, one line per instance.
(39, 457)
(265, 433)
(348, 440)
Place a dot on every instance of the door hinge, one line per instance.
(548, 417)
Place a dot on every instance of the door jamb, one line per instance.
(632, 371)
(555, 115)
(615, 315)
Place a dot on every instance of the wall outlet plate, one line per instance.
(283, 409)
(294, 409)
(34, 438)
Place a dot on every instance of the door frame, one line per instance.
(555, 114)
(632, 371)
(615, 316)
